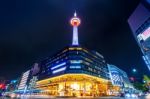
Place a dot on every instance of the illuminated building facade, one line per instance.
(27, 82)
(74, 70)
(119, 77)
(119, 80)
(139, 23)
(23, 84)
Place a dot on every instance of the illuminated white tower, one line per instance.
(75, 22)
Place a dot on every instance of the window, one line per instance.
(75, 61)
(75, 67)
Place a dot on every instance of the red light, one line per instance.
(2, 86)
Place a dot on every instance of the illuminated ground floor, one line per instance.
(74, 85)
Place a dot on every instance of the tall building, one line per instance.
(74, 70)
(139, 23)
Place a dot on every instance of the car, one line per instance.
(131, 95)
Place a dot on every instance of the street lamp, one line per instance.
(134, 70)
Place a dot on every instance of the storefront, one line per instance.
(74, 85)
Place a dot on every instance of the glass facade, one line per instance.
(143, 39)
(74, 71)
(74, 60)
(139, 23)
(73, 85)
(119, 80)
(119, 77)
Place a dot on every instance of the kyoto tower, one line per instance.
(75, 22)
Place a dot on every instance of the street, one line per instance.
(81, 98)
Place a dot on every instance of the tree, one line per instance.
(146, 80)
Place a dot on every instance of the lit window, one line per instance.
(90, 69)
(87, 63)
(57, 61)
(75, 67)
(65, 50)
(85, 50)
(71, 48)
(79, 48)
(75, 48)
(76, 61)
(88, 59)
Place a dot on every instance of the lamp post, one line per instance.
(134, 70)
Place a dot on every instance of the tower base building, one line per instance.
(74, 71)
(74, 85)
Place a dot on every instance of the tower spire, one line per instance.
(75, 22)
(75, 14)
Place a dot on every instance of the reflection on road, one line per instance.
(143, 97)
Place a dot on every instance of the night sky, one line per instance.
(33, 29)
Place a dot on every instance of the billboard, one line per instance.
(144, 35)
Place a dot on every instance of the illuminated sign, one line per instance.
(146, 34)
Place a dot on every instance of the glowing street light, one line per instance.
(134, 70)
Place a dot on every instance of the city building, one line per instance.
(119, 78)
(35, 70)
(74, 70)
(28, 79)
(139, 22)
(24, 82)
